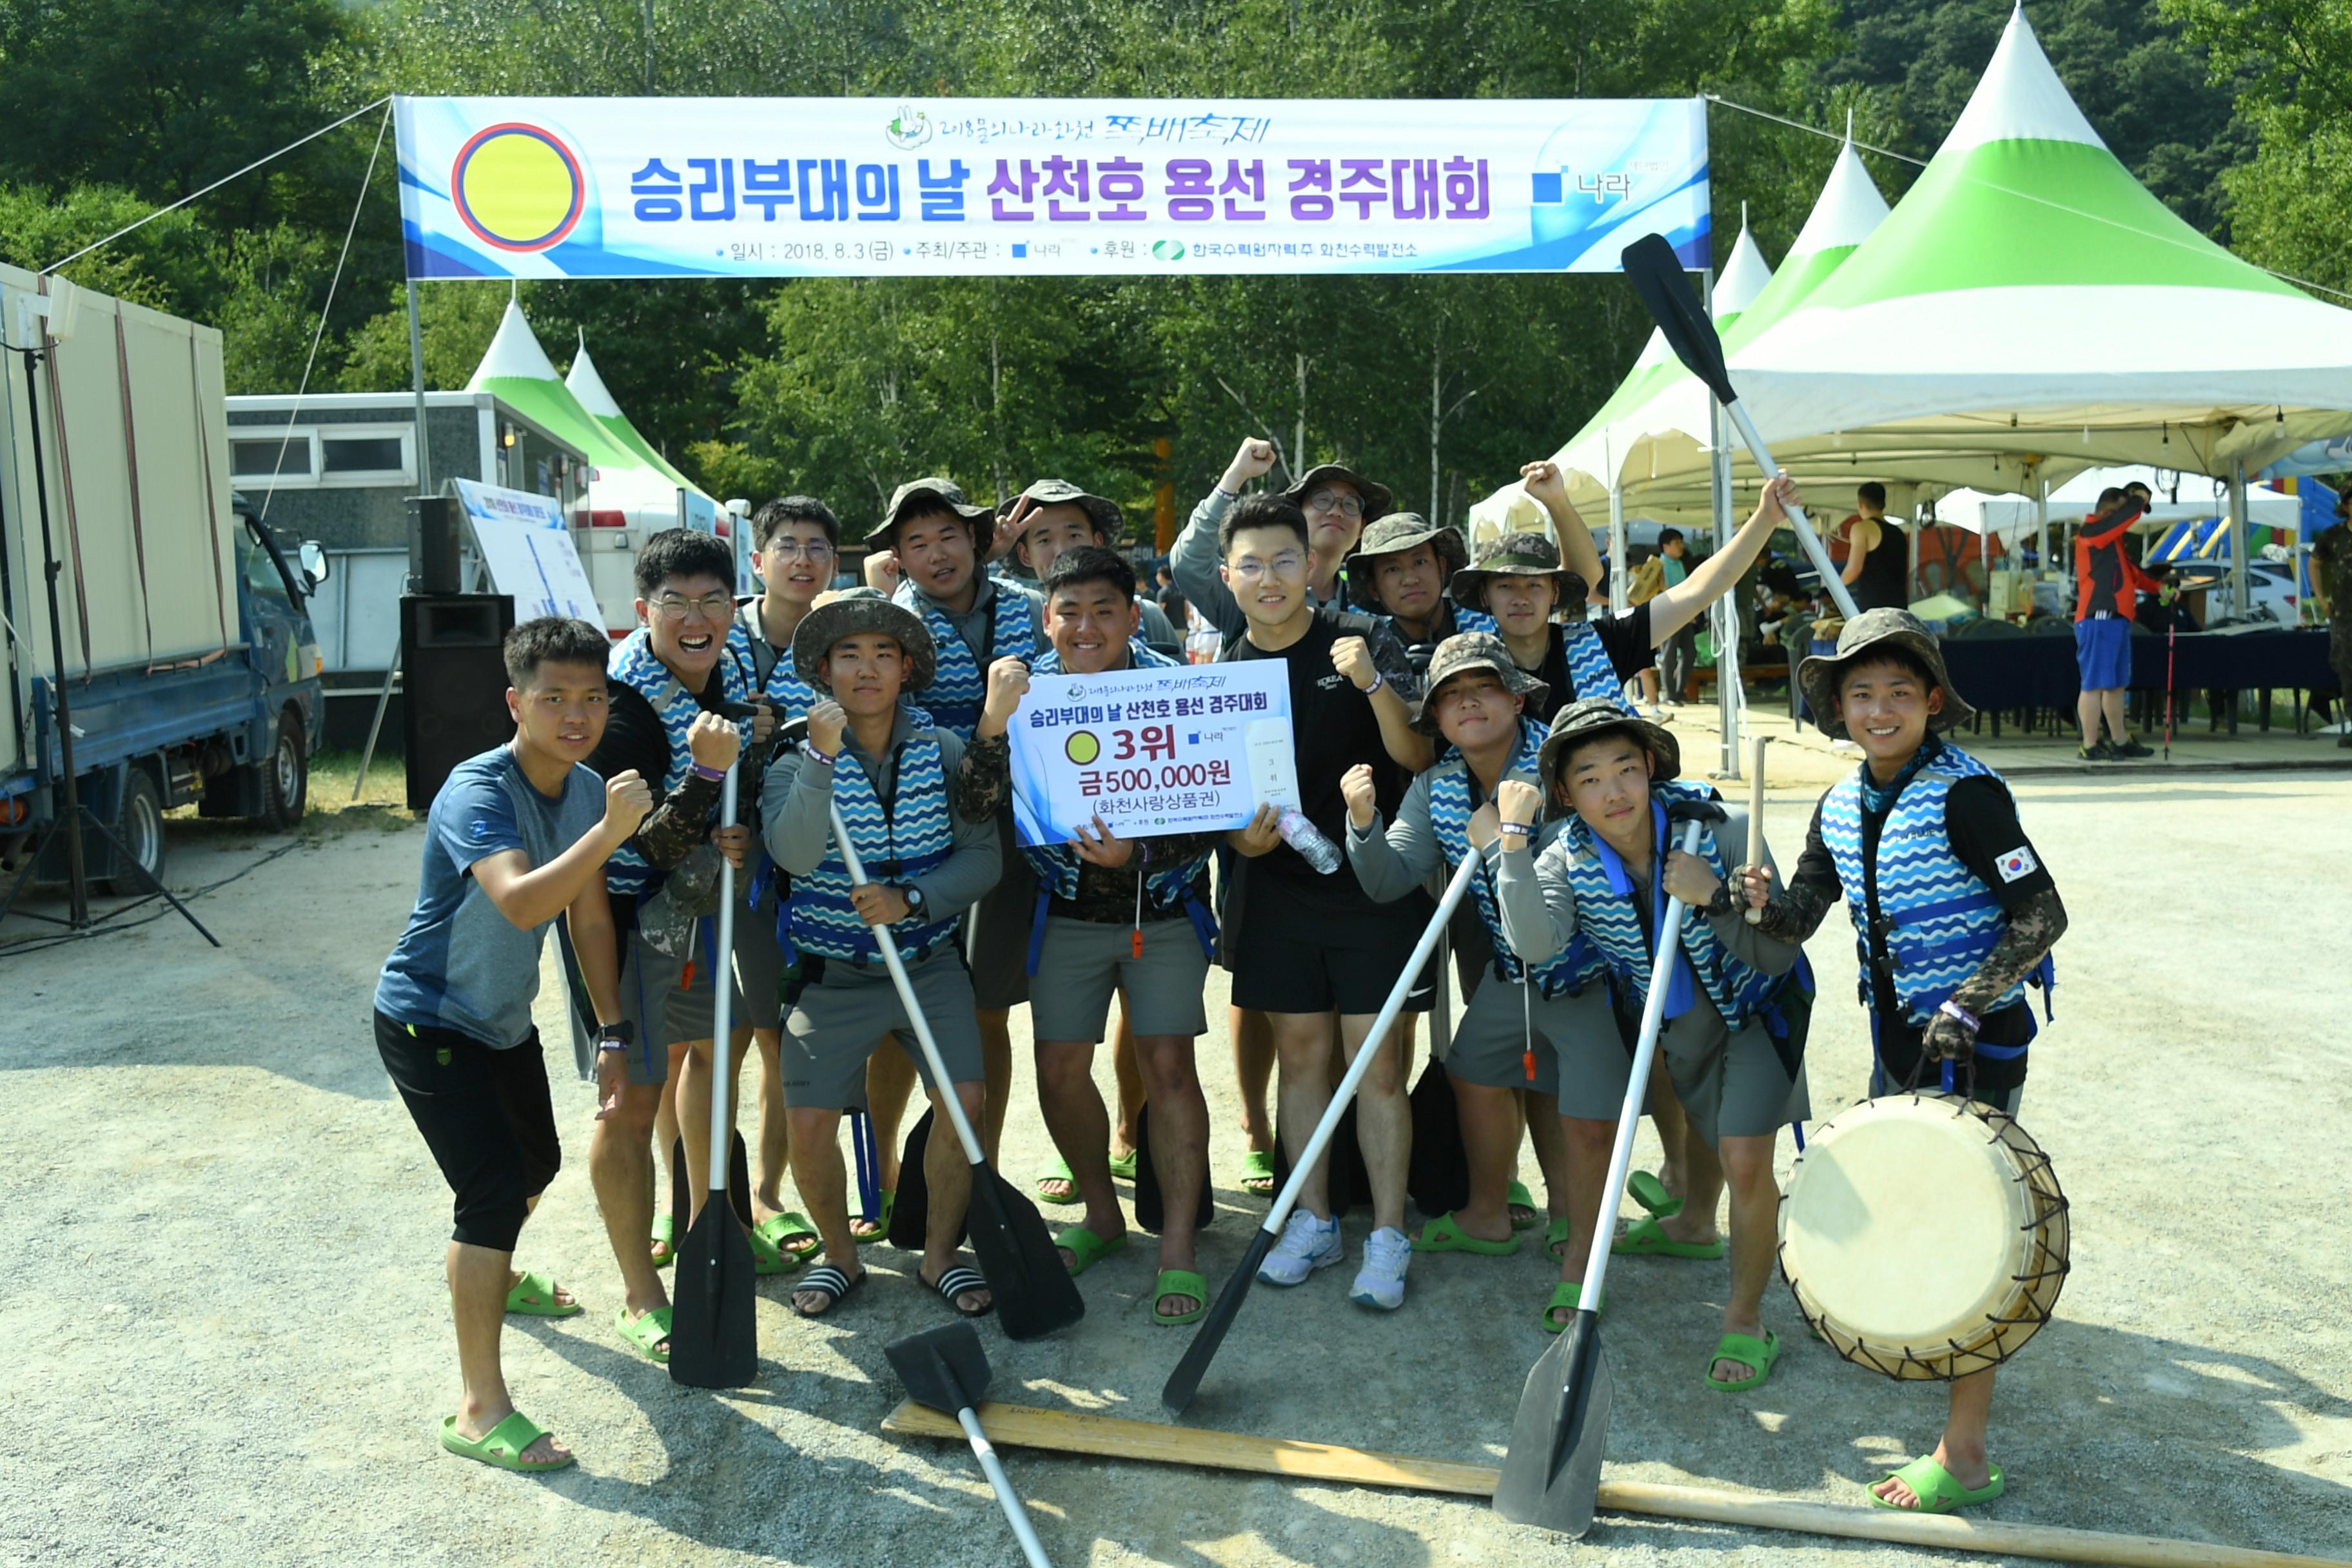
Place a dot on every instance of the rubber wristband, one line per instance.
(1378, 681)
(827, 757)
(1953, 1010)
(714, 774)
(1523, 829)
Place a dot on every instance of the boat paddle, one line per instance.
(1185, 1381)
(1656, 273)
(1034, 1293)
(945, 1369)
(1552, 1474)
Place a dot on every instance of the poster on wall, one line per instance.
(781, 187)
(526, 548)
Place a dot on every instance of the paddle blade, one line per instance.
(1185, 1381)
(943, 1367)
(1651, 265)
(1151, 1203)
(1551, 1476)
(911, 1211)
(1033, 1290)
(738, 1183)
(713, 1340)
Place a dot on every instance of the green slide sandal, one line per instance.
(503, 1444)
(1122, 1166)
(1937, 1489)
(648, 1331)
(1566, 1293)
(533, 1296)
(1257, 1174)
(1086, 1248)
(1556, 1235)
(1178, 1282)
(1651, 1192)
(767, 1258)
(790, 1234)
(1518, 1198)
(1444, 1234)
(1059, 1171)
(1647, 1239)
(665, 1241)
(1748, 1351)
(876, 1230)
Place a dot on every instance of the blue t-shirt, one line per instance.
(461, 965)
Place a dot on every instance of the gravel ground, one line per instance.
(232, 1343)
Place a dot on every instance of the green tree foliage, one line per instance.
(2294, 58)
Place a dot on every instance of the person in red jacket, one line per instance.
(2107, 586)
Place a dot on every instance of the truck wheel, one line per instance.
(140, 828)
(285, 778)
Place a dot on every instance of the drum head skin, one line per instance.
(1923, 1235)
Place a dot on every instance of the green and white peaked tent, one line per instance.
(2030, 295)
(588, 387)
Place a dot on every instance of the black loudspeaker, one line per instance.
(454, 683)
(433, 544)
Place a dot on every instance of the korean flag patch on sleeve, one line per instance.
(2017, 864)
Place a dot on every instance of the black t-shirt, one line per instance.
(1886, 576)
(634, 736)
(1624, 638)
(1981, 821)
(1333, 729)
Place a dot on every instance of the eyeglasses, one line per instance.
(1346, 504)
(710, 606)
(1289, 563)
(793, 550)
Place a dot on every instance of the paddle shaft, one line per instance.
(1755, 815)
(722, 996)
(1753, 439)
(1304, 1165)
(1637, 1087)
(1006, 1498)
(922, 1028)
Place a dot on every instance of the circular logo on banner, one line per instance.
(1082, 748)
(517, 187)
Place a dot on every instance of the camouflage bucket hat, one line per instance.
(1377, 498)
(1402, 531)
(1580, 721)
(1875, 632)
(1516, 555)
(1463, 653)
(855, 611)
(939, 492)
(1110, 521)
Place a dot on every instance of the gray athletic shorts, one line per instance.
(1083, 962)
(759, 966)
(664, 1013)
(996, 930)
(1491, 1045)
(841, 1019)
(1732, 1086)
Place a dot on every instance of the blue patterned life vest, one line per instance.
(633, 664)
(1606, 911)
(895, 844)
(1590, 669)
(1569, 970)
(792, 695)
(1942, 920)
(957, 690)
(1168, 890)
(1466, 619)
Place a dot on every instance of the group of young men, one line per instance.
(1444, 711)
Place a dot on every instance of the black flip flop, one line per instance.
(829, 1281)
(960, 1280)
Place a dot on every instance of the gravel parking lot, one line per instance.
(231, 1342)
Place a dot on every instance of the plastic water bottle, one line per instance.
(1309, 840)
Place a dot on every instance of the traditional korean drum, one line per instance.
(1924, 1234)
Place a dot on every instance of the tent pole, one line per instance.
(1724, 612)
(2240, 604)
(416, 373)
(1617, 569)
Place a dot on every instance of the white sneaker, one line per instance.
(1308, 1243)
(1380, 1282)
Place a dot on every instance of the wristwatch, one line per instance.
(914, 896)
(1721, 903)
(617, 1036)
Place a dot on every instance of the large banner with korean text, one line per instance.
(769, 187)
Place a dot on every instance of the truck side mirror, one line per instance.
(314, 563)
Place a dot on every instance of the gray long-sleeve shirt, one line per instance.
(1194, 561)
(1538, 906)
(796, 802)
(1390, 863)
